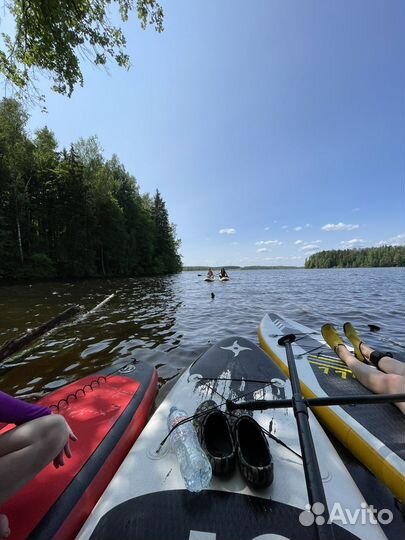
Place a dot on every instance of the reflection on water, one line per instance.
(169, 321)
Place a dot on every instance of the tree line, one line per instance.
(354, 258)
(73, 213)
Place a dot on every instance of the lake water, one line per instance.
(169, 321)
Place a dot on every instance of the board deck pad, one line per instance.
(186, 516)
(386, 422)
(218, 365)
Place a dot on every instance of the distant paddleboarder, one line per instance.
(223, 273)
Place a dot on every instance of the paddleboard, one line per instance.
(147, 500)
(375, 434)
(226, 278)
(107, 411)
(209, 279)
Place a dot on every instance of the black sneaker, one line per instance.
(215, 434)
(255, 462)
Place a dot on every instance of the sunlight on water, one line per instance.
(169, 321)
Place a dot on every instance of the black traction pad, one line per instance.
(181, 515)
(245, 364)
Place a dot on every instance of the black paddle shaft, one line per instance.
(264, 404)
(316, 493)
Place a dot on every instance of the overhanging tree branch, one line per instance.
(50, 36)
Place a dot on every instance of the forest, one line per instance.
(354, 258)
(73, 213)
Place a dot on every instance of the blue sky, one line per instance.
(272, 128)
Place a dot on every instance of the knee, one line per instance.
(54, 430)
(58, 426)
(396, 383)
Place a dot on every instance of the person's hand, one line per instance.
(59, 460)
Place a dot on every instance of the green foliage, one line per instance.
(354, 258)
(72, 213)
(51, 36)
(165, 244)
(39, 266)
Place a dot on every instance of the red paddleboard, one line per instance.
(107, 411)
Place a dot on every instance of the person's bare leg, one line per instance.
(372, 378)
(386, 364)
(27, 449)
(4, 527)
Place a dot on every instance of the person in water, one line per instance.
(388, 378)
(38, 438)
(223, 273)
(210, 273)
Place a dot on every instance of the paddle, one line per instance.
(375, 328)
(313, 478)
(316, 493)
(264, 404)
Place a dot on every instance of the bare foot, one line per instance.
(4, 527)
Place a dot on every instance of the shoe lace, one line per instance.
(199, 414)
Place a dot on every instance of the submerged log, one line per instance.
(98, 306)
(15, 345)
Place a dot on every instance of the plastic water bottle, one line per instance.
(194, 465)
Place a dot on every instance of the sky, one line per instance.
(273, 128)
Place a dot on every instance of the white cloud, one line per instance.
(355, 209)
(269, 243)
(299, 228)
(283, 258)
(339, 227)
(352, 243)
(227, 231)
(284, 227)
(307, 225)
(398, 240)
(267, 228)
(310, 245)
(298, 242)
(261, 250)
(307, 247)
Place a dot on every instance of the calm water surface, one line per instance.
(169, 321)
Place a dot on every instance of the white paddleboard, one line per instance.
(146, 500)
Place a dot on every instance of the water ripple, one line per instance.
(169, 321)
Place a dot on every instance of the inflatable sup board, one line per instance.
(106, 411)
(375, 434)
(147, 500)
(209, 279)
